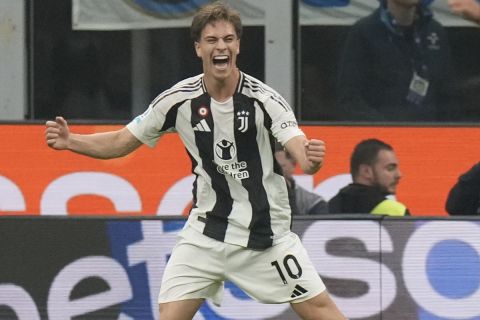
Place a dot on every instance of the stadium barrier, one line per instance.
(55, 267)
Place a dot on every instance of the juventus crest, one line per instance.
(242, 117)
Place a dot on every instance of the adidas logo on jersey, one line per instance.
(202, 126)
(298, 291)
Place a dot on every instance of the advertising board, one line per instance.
(37, 180)
(111, 268)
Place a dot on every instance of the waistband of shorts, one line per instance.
(191, 233)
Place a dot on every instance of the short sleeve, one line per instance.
(284, 125)
(147, 127)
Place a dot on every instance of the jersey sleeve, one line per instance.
(284, 125)
(147, 127)
(152, 124)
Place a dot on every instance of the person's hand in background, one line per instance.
(468, 9)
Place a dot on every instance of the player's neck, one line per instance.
(222, 90)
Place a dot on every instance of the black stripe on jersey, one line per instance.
(277, 168)
(188, 87)
(171, 117)
(247, 150)
(267, 122)
(194, 189)
(217, 219)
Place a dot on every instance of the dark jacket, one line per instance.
(378, 64)
(359, 198)
(304, 202)
(464, 197)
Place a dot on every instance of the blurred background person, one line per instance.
(302, 201)
(396, 66)
(469, 9)
(464, 197)
(375, 173)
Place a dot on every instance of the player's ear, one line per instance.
(197, 49)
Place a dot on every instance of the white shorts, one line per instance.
(199, 265)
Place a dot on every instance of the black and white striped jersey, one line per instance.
(239, 194)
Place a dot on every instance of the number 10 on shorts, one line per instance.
(289, 263)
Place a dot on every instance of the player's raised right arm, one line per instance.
(104, 145)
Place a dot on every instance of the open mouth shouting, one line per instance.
(221, 61)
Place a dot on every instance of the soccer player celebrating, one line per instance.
(239, 225)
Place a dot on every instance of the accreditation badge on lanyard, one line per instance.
(418, 89)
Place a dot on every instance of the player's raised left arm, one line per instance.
(309, 153)
(103, 145)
